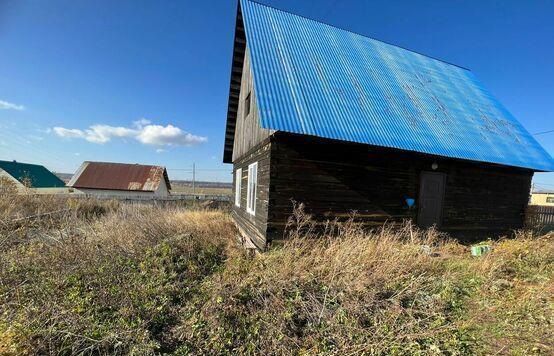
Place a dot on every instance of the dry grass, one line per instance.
(108, 279)
(103, 279)
(402, 291)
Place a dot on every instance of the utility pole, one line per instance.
(193, 179)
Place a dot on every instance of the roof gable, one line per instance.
(315, 79)
(119, 176)
(38, 176)
(239, 52)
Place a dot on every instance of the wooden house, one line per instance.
(342, 122)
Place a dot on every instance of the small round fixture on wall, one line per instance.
(434, 166)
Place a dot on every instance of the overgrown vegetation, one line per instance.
(104, 278)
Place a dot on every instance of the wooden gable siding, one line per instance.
(253, 226)
(248, 132)
(333, 178)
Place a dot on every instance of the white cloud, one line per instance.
(167, 136)
(104, 133)
(142, 131)
(141, 123)
(10, 106)
(71, 133)
(160, 150)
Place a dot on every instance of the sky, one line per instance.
(148, 81)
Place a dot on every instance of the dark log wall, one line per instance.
(487, 198)
(253, 226)
(248, 132)
(333, 178)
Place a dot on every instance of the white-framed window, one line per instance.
(238, 186)
(252, 188)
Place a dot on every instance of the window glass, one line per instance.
(252, 188)
(238, 185)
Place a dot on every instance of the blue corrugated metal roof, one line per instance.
(315, 79)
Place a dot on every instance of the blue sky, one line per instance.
(147, 81)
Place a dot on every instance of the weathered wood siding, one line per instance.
(333, 178)
(253, 226)
(248, 132)
(483, 198)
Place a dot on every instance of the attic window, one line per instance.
(247, 105)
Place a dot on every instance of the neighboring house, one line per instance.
(31, 177)
(542, 198)
(120, 180)
(342, 123)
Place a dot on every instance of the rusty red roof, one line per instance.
(119, 176)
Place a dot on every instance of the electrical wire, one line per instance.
(543, 132)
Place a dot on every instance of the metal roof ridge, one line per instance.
(359, 34)
(127, 164)
(22, 163)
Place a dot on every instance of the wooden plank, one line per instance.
(248, 131)
(254, 227)
(539, 216)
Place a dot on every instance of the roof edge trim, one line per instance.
(237, 63)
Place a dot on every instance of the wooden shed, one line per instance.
(342, 122)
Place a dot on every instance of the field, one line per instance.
(187, 189)
(202, 188)
(184, 187)
(102, 278)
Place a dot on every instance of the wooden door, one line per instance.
(431, 197)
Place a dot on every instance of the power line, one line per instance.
(199, 169)
(543, 132)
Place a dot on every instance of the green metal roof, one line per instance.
(38, 176)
